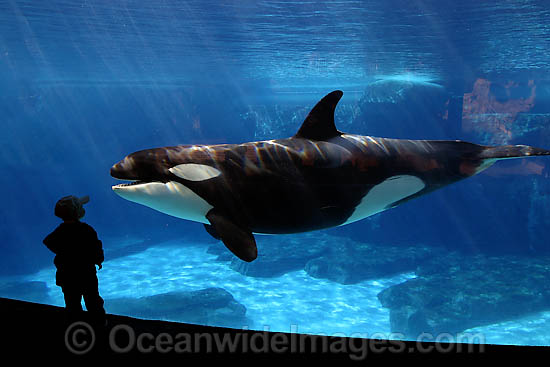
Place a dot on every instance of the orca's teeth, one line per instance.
(129, 184)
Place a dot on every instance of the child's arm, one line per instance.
(99, 254)
(97, 246)
(52, 242)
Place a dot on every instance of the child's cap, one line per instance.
(70, 207)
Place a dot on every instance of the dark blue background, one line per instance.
(85, 83)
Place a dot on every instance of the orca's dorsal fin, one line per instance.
(319, 124)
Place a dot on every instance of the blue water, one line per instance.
(85, 83)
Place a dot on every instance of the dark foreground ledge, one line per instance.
(35, 330)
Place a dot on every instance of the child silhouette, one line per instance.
(77, 251)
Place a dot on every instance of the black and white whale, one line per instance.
(319, 178)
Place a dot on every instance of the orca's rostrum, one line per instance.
(319, 178)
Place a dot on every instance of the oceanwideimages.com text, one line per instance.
(80, 338)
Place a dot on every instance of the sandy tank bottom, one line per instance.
(293, 302)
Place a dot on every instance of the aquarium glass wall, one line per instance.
(85, 83)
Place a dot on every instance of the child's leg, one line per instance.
(94, 302)
(73, 298)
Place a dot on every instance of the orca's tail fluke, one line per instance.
(511, 151)
(485, 156)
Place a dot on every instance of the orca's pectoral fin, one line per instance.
(238, 240)
(212, 232)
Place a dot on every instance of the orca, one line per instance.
(319, 178)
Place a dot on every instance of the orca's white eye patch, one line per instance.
(195, 172)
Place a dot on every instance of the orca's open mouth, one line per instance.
(126, 184)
